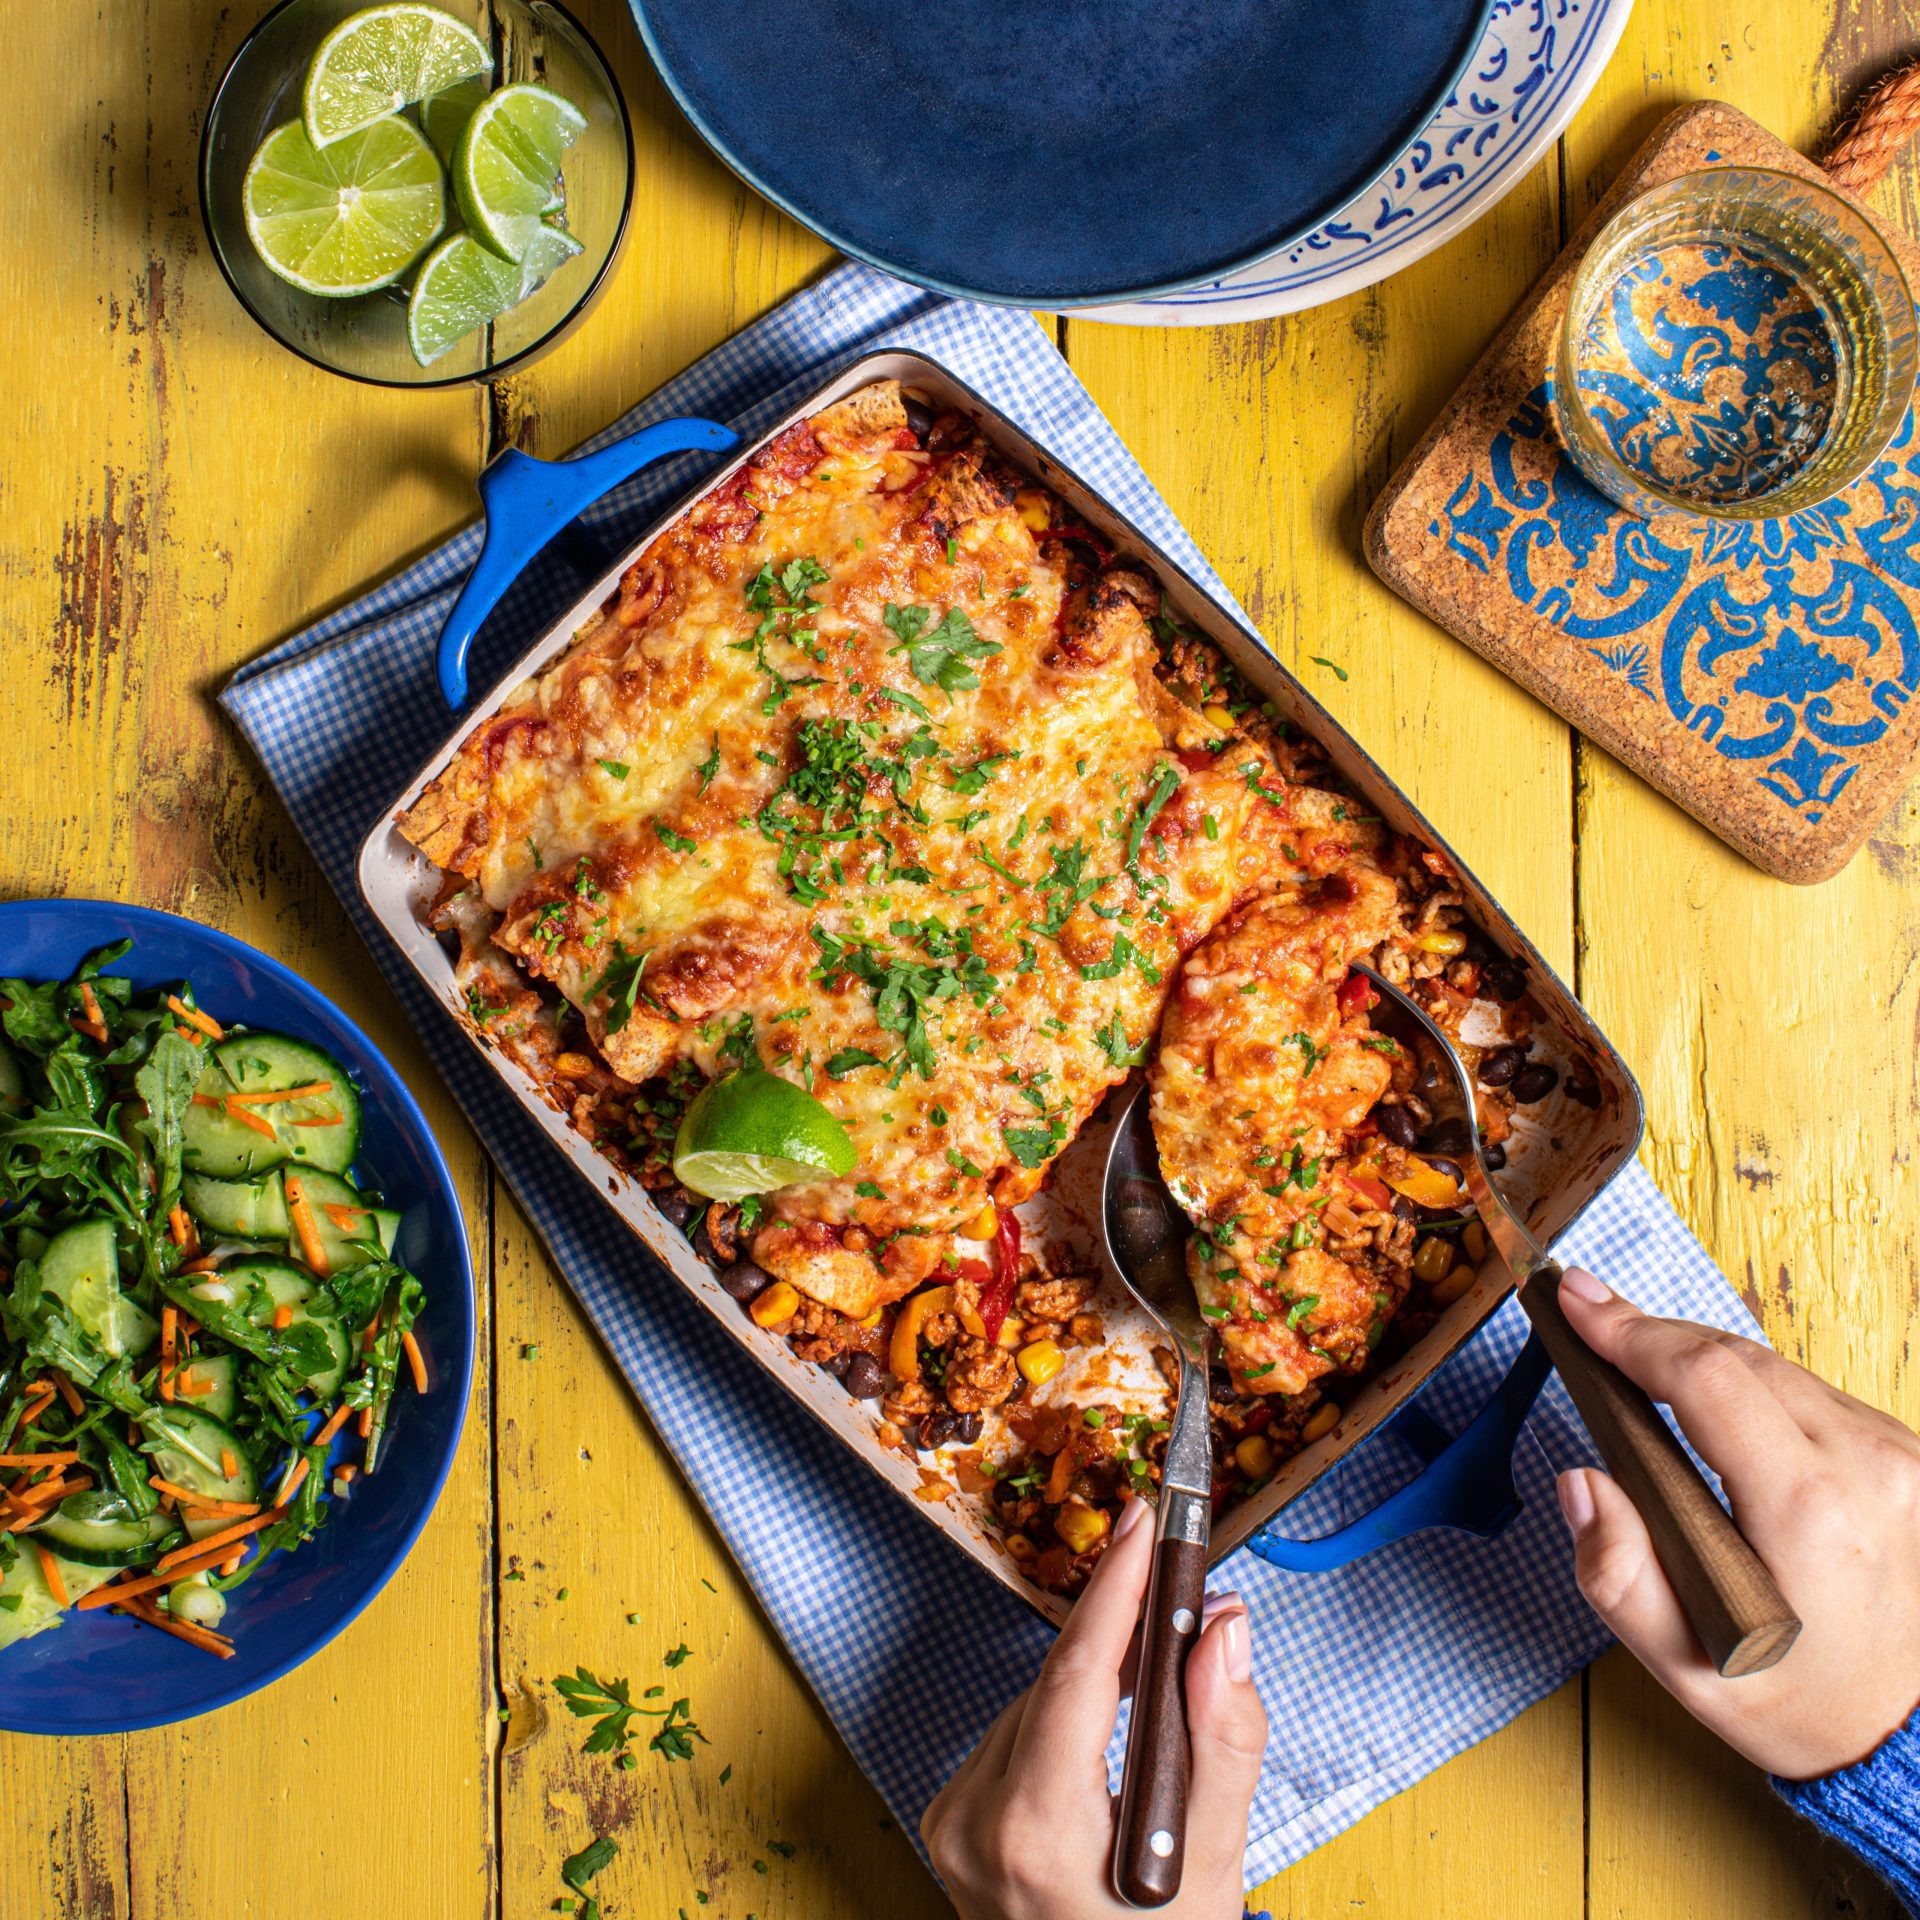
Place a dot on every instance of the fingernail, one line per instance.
(1135, 1512)
(1576, 1499)
(1236, 1646)
(1583, 1286)
(1218, 1603)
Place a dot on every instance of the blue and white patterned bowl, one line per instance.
(1536, 62)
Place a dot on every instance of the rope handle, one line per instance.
(1886, 118)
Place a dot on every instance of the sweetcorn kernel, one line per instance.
(1040, 1361)
(1450, 944)
(983, 1226)
(1434, 1261)
(1217, 716)
(1453, 1286)
(1035, 509)
(1324, 1420)
(1254, 1456)
(774, 1306)
(872, 1319)
(1019, 1547)
(1081, 1527)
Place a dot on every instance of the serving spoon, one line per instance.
(1740, 1615)
(1146, 1234)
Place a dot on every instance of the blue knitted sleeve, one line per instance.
(1873, 1809)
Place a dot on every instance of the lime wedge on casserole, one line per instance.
(348, 218)
(444, 115)
(753, 1132)
(374, 63)
(508, 161)
(462, 285)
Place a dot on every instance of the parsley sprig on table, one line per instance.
(610, 1705)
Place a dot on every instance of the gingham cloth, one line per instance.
(1373, 1675)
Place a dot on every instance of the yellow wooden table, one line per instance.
(177, 493)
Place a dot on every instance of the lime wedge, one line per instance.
(753, 1132)
(347, 218)
(374, 63)
(462, 285)
(507, 161)
(445, 114)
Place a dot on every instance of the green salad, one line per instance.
(202, 1325)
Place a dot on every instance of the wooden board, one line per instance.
(1760, 673)
(180, 493)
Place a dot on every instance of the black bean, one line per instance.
(1396, 1124)
(1005, 1493)
(745, 1281)
(676, 1203)
(1450, 1136)
(1505, 980)
(865, 1377)
(1499, 1067)
(1534, 1082)
(838, 1363)
(968, 1428)
(936, 1430)
(704, 1247)
(1431, 1078)
(919, 417)
(1451, 1168)
(1404, 1209)
(1494, 1155)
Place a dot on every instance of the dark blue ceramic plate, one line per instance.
(1068, 152)
(97, 1674)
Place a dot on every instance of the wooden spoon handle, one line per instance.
(1742, 1619)
(1149, 1846)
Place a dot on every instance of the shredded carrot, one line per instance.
(333, 1426)
(344, 1217)
(307, 1092)
(306, 1226)
(245, 1118)
(64, 1387)
(205, 1265)
(372, 1333)
(347, 1472)
(411, 1348)
(150, 1616)
(366, 1423)
(228, 1464)
(324, 1120)
(231, 1564)
(181, 1228)
(29, 1505)
(204, 1503)
(169, 1333)
(282, 1317)
(38, 1459)
(192, 1039)
(93, 1029)
(189, 1326)
(195, 1018)
(225, 1538)
(91, 1001)
(50, 1567)
(39, 1407)
(296, 1478)
(193, 1387)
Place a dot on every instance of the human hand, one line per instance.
(1024, 1829)
(1827, 1492)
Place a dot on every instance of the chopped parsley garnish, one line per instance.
(961, 1164)
(612, 1708)
(1164, 789)
(617, 768)
(1033, 1146)
(970, 780)
(708, 767)
(1124, 951)
(850, 1060)
(1333, 666)
(1301, 1308)
(1112, 1041)
(621, 984)
(1309, 1053)
(868, 1191)
(939, 656)
(677, 842)
(782, 597)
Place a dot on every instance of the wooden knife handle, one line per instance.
(1742, 1618)
(1150, 1842)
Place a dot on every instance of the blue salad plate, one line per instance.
(1068, 154)
(97, 1673)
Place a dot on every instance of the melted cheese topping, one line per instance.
(873, 794)
(1258, 1085)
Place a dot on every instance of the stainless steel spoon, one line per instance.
(1742, 1618)
(1146, 1234)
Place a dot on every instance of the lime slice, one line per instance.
(462, 285)
(507, 162)
(347, 218)
(753, 1132)
(374, 63)
(444, 115)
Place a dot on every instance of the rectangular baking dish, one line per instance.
(1562, 1154)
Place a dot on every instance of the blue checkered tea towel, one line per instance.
(1372, 1676)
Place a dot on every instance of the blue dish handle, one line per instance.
(1467, 1483)
(528, 501)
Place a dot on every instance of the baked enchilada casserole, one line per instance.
(879, 774)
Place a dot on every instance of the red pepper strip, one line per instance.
(1356, 996)
(1081, 534)
(1196, 759)
(1369, 1190)
(998, 1297)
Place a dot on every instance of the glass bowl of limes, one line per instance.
(417, 195)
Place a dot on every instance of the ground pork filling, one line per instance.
(1356, 1209)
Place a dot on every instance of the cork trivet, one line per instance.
(1760, 675)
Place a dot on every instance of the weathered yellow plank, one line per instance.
(1269, 442)
(589, 1499)
(181, 492)
(1772, 1029)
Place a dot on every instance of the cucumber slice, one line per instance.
(262, 1284)
(211, 1382)
(80, 1267)
(252, 1209)
(33, 1608)
(350, 1231)
(191, 1447)
(97, 1530)
(213, 1142)
(323, 1129)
